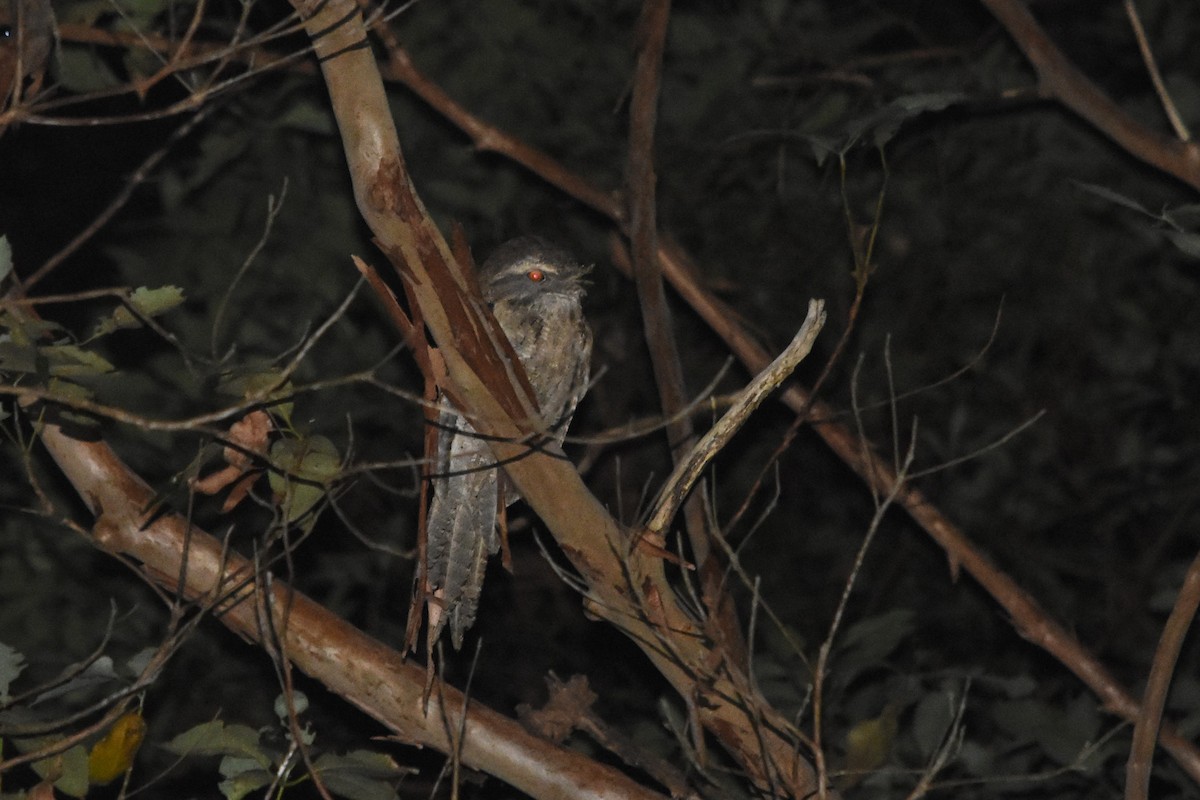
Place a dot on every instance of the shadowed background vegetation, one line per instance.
(1012, 273)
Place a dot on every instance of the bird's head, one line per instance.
(530, 267)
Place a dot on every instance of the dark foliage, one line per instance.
(782, 126)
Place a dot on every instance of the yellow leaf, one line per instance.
(868, 744)
(112, 756)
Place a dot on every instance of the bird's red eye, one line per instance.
(536, 275)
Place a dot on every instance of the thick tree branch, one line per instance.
(629, 589)
(362, 670)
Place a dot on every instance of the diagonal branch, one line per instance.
(1062, 80)
(362, 670)
(693, 464)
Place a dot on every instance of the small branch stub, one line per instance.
(688, 471)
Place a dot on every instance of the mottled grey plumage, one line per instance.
(534, 290)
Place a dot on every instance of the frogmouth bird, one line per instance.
(534, 289)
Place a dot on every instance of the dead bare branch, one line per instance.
(676, 488)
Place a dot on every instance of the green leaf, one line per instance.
(1114, 197)
(1187, 242)
(886, 121)
(98, 674)
(321, 461)
(136, 664)
(304, 467)
(874, 638)
(931, 721)
(1016, 686)
(12, 664)
(68, 770)
(5, 258)
(1061, 735)
(81, 70)
(1182, 217)
(218, 739)
(67, 392)
(16, 357)
(243, 775)
(308, 117)
(869, 742)
(360, 775)
(259, 384)
(300, 498)
(76, 425)
(26, 329)
(146, 303)
(299, 702)
(73, 361)
(153, 302)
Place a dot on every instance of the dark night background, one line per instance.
(996, 265)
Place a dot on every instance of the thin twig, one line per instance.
(704, 400)
(135, 180)
(1164, 97)
(273, 208)
(27, 394)
(951, 743)
(995, 444)
(883, 504)
(1145, 729)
